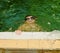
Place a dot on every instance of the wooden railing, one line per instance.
(30, 35)
(30, 40)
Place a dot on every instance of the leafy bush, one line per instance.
(12, 13)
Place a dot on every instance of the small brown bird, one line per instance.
(30, 25)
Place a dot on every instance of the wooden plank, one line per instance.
(30, 35)
(30, 44)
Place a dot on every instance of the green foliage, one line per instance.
(12, 13)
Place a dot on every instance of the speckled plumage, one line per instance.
(30, 27)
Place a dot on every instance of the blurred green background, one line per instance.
(13, 12)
